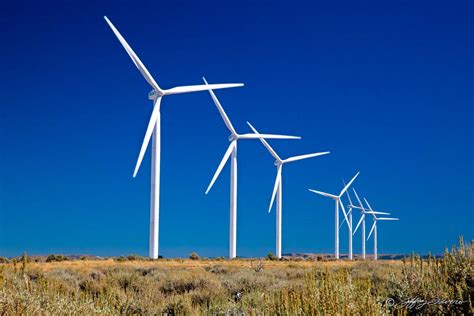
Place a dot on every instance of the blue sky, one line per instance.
(386, 87)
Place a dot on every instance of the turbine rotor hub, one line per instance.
(232, 137)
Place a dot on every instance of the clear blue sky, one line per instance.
(386, 87)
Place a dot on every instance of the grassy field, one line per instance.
(236, 287)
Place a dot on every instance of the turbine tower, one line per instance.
(153, 131)
(363, 211)
(232, 153)
(277, 189)
(349, 223)
(337, 200)
(374, 227)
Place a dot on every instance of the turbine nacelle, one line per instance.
(153, 94)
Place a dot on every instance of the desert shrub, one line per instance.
(187, 281)
(258, 266)
(56, 258)
(447, 278)
(271, 256)
(216, 269)
(194, 256)
(325, 293)
(134, 257)
(4, 260)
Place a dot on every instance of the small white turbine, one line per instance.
(277, 188)
(363, 211)
(337, 199)
(374, 227)
(154, 129)
(232, 152)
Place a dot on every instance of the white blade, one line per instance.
(267, 136)
(348, 185)
(358, 200)
(221, 110)
(344, 212)
(138, 63)
(347, 193)
(275, 187)
(149, 131)
(358, 224)
(301, 157)
(378, 213)
(221, 165)
(387, 219)
(266, 144)
(344, 220)
(373, 226)
(357, 207)
(323, 194)
(202, 87)
(367, 202)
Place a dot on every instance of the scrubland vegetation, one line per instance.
(135, 286)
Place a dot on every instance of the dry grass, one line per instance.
(233, 287)
(87, 265)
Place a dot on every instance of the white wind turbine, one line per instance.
(374, 227)
(277, 188)
(337, 199)
(153, 131)
(363, 211)
(232, 152)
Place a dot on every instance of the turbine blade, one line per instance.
(221, 165)
(387, 219)
(348, 185)
(372, 229)
(344, 220)
(344, 212)
(358, 224)
(378, 213)
(358, 199)
(357, 207)
(138, 63)
(202, 87)
(367, 202)
(155, 115)
(301, 157)
(267, 136)
(221, 110)
(275, 187)
(266, 144)
(323, 194)
(348, 195)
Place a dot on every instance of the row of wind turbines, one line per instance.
(153, 133)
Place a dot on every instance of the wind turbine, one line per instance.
(374, 227)
(153, 131)
(363, 211)
(337, 199)
(232, 154)
(277, 189)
